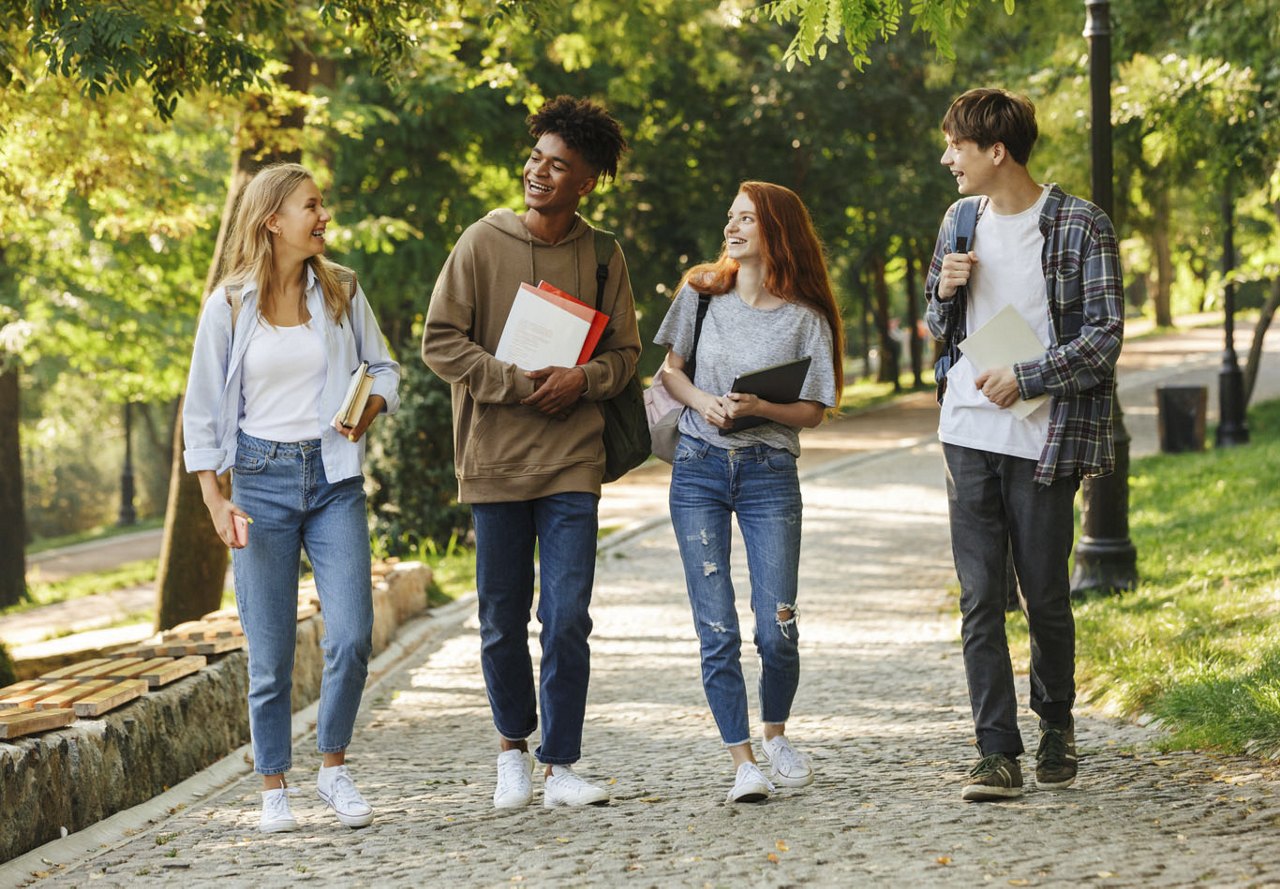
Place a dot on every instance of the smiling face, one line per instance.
(298, 226)
(973, 167)
(742, 231)
(556, 177)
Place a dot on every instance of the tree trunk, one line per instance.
(888, 345)
(913, 314)
(1164, 261)
(13, 542)
(193, 560)
(1259, 334)
(864, 329)
(13, 559)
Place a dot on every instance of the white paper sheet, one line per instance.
(539, 333)
(1003, 341)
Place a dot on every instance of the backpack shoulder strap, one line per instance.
(235, 299)
(966, 224)
(605, 245)
(690, 366)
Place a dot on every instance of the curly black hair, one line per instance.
(586, 127)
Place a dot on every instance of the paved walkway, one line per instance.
(882, 708)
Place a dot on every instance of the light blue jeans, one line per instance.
(759, 484)
(563, 526)
(283, 488)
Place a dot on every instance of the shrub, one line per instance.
(414, 491)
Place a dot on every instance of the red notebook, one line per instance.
(598, 322)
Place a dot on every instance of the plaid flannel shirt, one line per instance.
(1086, 310)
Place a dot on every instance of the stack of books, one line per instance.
(549, 328)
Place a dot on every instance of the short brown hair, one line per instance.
(988, 116)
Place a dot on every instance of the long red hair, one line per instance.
(795, 269)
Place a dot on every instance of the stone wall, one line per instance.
(93, 768)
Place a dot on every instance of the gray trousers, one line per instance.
(997, 509)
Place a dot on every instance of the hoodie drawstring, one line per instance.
(577, 268)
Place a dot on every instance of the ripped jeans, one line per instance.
(759, 484)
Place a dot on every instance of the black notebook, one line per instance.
(780, 384)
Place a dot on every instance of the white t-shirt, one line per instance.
(284, 372)
(1008, 272)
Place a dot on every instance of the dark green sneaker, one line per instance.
(1056, 756)
(995, 777)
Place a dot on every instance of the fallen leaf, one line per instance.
(650, 799)
(943, 859)
(774, 858)
(562, 839)
(1019, 882)
(782, 846)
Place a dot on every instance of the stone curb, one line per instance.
(118, 829)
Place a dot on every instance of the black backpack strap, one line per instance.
(605, 245)
(691, 366)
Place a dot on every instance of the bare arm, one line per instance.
(220, 508)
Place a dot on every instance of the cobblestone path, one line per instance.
(882, 709)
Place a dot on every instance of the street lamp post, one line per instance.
(1106, 560)
(1232, 428)
(127, 514)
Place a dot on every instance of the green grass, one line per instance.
(453, 568)
(102, 532)
(77, 586)
(863, 394)
(1197, 645)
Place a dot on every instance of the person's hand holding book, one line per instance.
(556, 389)
(372, 408)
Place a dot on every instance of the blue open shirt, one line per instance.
(214, 404)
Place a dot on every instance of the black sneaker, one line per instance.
(1056, 756)
(995, 777)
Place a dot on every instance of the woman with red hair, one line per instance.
(765, 301)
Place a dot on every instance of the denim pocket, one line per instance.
(684, 452)
(250, 462)
(780, 461)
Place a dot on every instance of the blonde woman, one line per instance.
(277, 344)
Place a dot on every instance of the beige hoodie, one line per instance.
(503, 450)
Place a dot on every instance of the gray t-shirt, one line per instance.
(738, 339)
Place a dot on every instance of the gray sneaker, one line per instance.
(995, 777)
(1056, 756)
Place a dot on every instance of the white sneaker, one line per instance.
(565, 788)
(750, 785)
(277, 817)
(515, 786)
(787, 766)
(340, 794)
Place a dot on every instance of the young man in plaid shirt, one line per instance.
(1011, 482)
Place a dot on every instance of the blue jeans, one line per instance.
(283, 488)
(997, 509)
(564, 527)
(759, 483)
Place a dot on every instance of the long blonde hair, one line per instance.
(250, 251)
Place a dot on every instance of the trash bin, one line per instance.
(1180, 412)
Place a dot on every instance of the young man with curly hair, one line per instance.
(528, 448)
(1011, 481)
